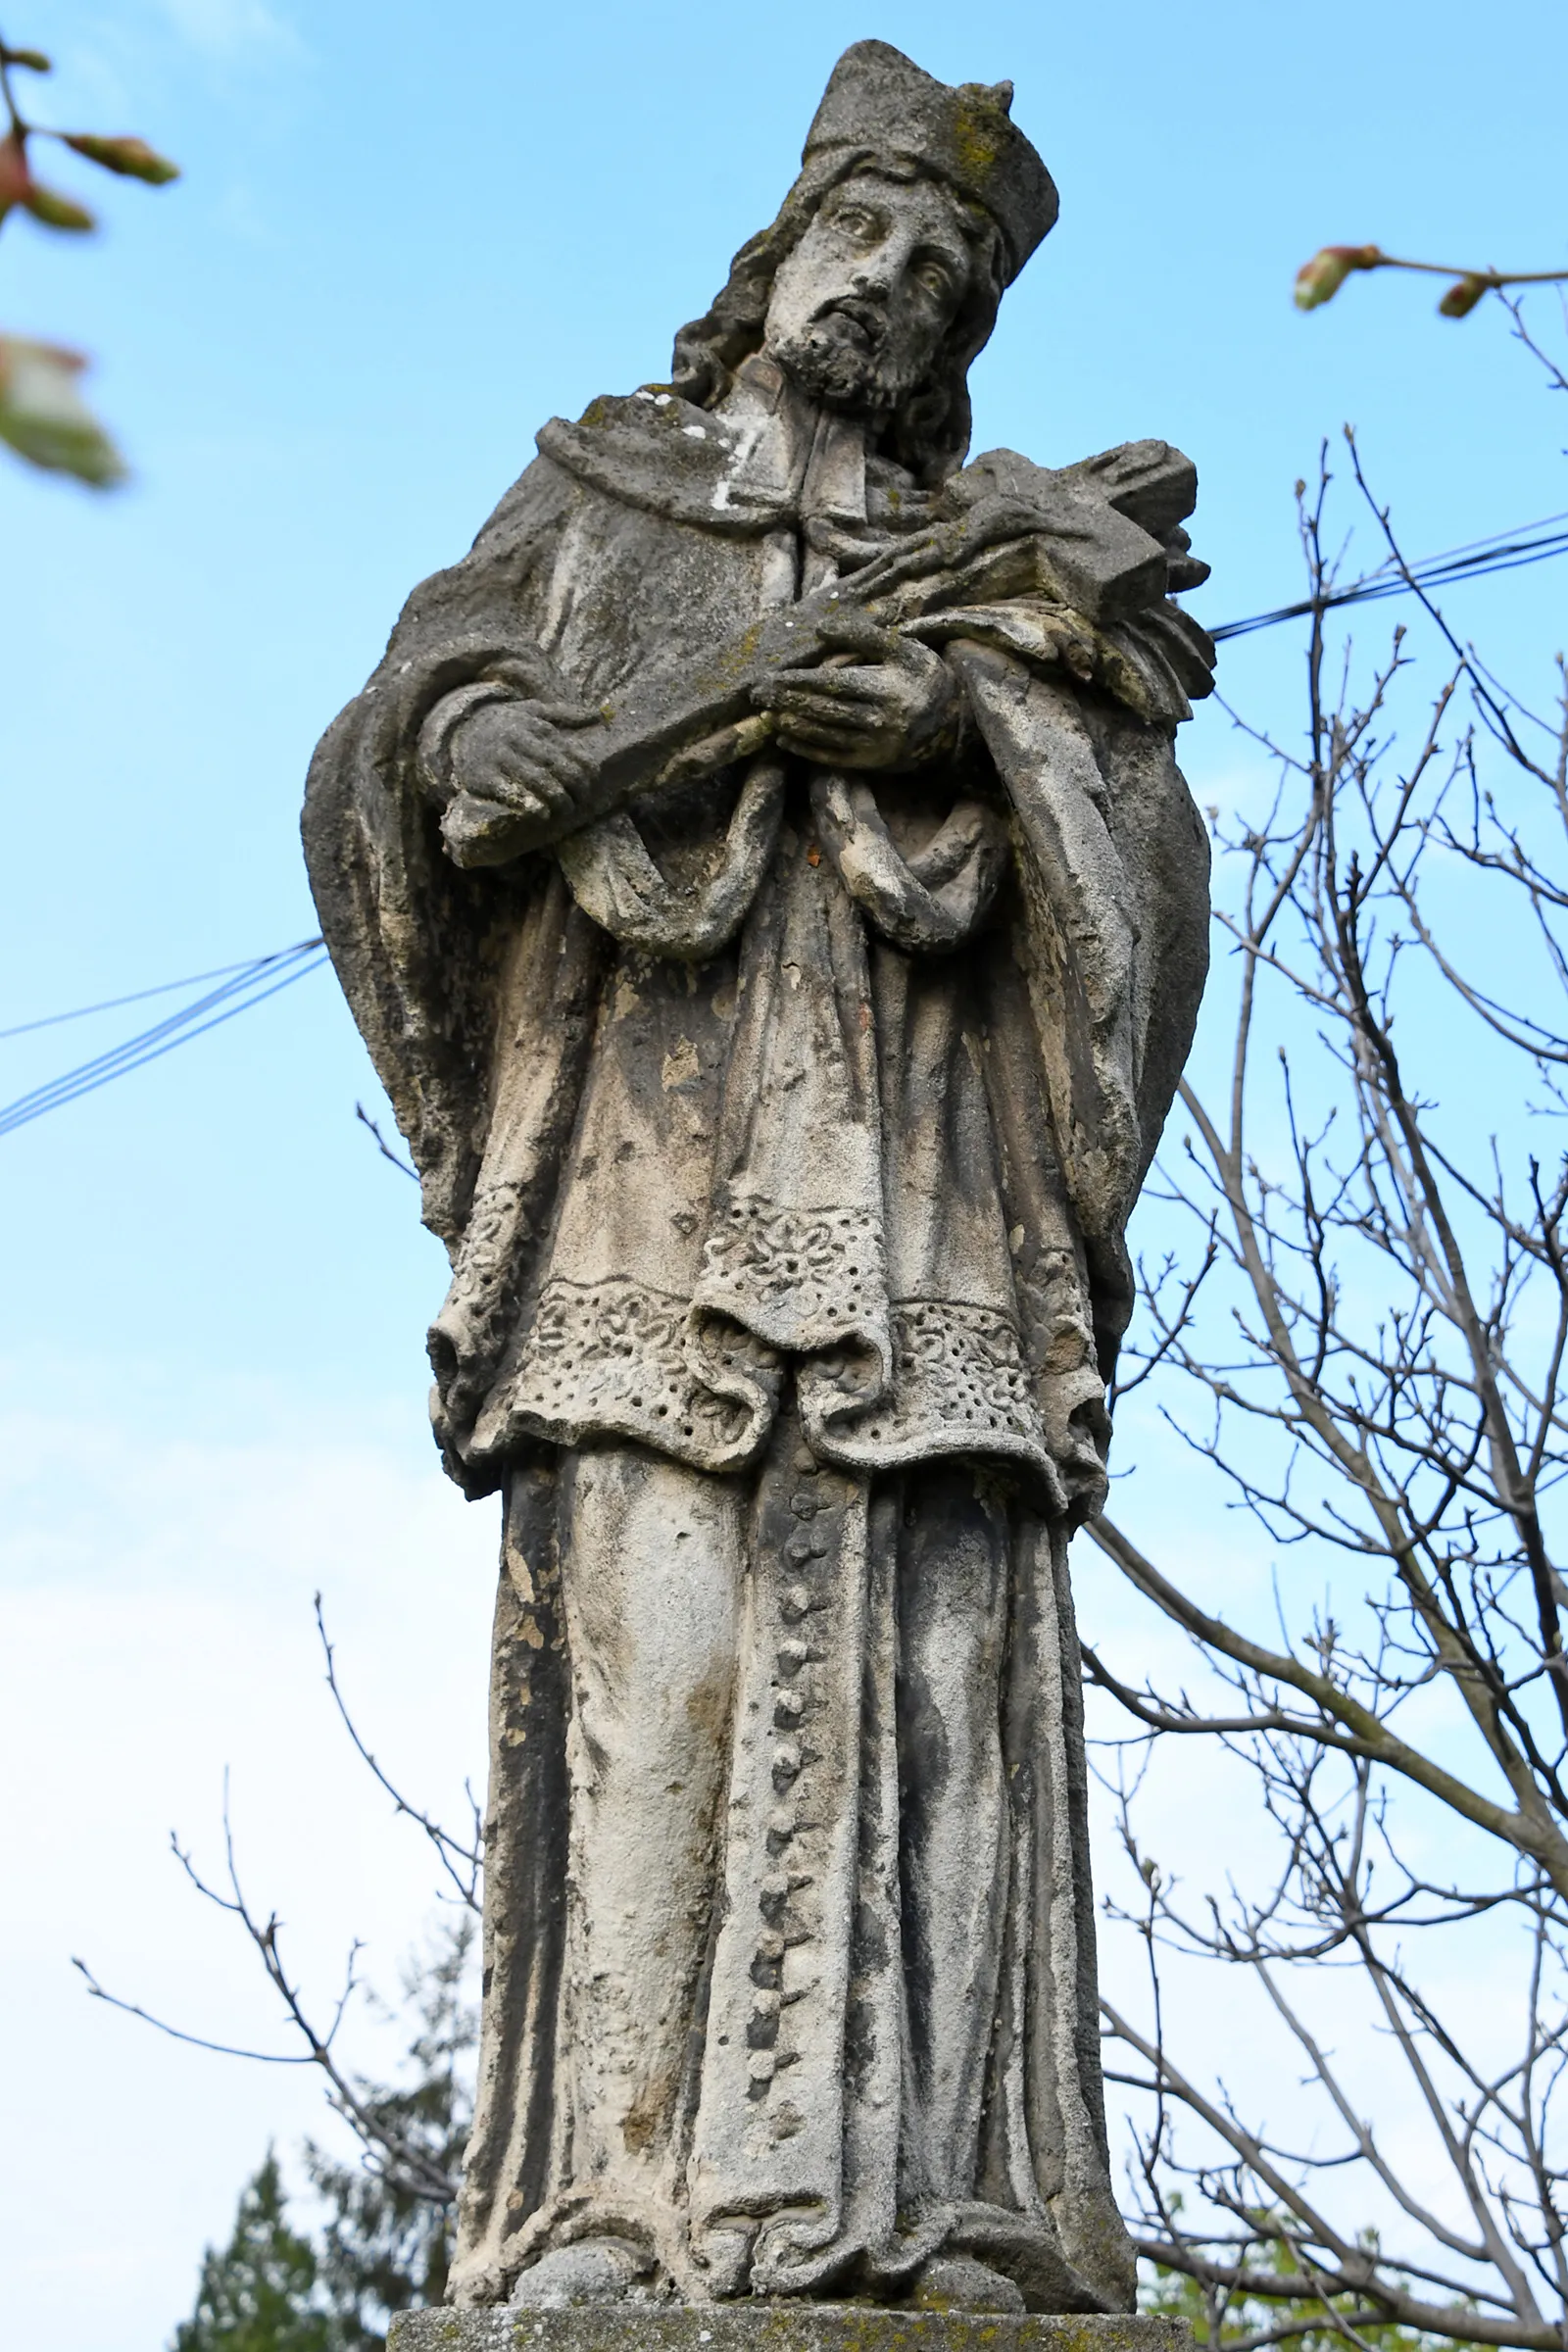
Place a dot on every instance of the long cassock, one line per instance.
(782, 1134)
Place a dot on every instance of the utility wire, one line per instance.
(246, 984)
(251, 984)
(165, 988)
(1530, 543)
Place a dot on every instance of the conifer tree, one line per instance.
(384, 2242)
(260, 2295)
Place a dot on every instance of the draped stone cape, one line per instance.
(792, 1071)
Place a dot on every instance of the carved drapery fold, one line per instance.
(616, 881)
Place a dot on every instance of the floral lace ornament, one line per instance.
(802, 1280)
(607, 1358)
(961, 1385)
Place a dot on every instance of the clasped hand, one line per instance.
(887, 707)
(518, 759)
(881, 702)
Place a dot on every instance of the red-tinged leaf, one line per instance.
(44, 417)
(15, 177)
(1318, 281)
(22, 351)
(1461, 298)
(131, 158)
(56, 210)
(33, 59)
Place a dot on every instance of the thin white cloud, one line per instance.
(154, 1592)
(232, 28)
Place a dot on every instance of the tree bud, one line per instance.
(33, 59)
(131, 158)
(56, 210)
(1461, 298)
(1320, 279)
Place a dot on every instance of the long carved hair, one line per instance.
(928, 433)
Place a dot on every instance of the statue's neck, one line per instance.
(810, 458)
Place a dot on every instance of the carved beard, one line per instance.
(847, 363)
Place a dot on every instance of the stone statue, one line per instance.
(760, 874)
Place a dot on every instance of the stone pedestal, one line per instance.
(777, 2327)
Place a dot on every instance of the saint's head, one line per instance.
(878, 283)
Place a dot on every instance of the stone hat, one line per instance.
(879, 102)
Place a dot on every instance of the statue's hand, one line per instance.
(892, 704)
(520, 757)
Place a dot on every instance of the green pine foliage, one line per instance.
(261, 2293)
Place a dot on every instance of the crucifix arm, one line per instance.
(677, 727)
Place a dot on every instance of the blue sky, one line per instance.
(405, 235)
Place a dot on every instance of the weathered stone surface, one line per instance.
(780, 2328)
(763, 877)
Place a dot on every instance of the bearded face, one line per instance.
(860, 308)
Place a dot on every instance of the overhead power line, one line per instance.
(247, 984)
(1506, 551)
(243, 985)
(137, 995)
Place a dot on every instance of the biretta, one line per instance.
(879, 103)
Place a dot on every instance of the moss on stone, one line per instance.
(778, 2328)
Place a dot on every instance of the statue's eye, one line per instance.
(856, 221)
(936, 279)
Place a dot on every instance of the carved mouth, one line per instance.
(865, 320)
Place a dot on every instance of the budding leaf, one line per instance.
(1318, 281)
(33, 59)
(56, 210)
(15, 177)
(131, 158)
(1461, 298)
(45, 419)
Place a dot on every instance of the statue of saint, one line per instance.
(761, 876)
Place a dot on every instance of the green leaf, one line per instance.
(33, 59)
(131, 158)
(44, 419)
(56, 210)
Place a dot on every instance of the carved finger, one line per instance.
(474, 816)
(863, 758)
(548, 754)
(846, 681)
(850, 686)
(823, 718)
(531, 791)
(846, 709)
(858, 679)
(785, 681)
(859, 633)
(567, 714)
(810, 743)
